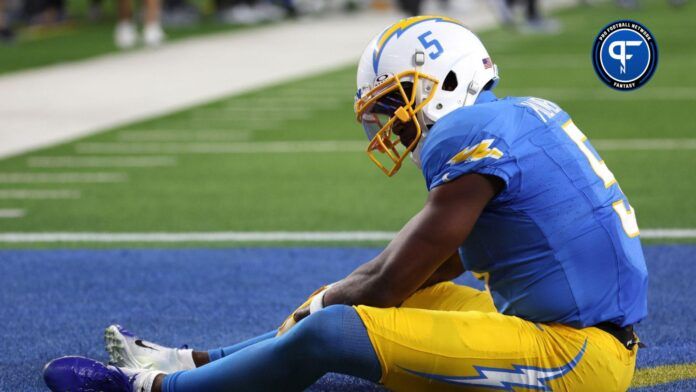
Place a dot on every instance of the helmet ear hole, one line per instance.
(450, 83)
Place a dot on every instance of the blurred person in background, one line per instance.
(96, 10)
(126, 35)
(179, 13)
(535, 22)
(247, 12)
(43, 12)
(6, 32)
(410, 7)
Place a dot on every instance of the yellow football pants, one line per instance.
(451, 337)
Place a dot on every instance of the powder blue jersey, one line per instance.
(560, 242)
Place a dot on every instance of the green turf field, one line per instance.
(259, 161)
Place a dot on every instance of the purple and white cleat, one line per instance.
(127, 350)
(80, 374)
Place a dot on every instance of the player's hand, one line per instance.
(301, 312)
(292, 320)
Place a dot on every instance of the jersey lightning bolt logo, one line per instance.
(477, 152)
(529, 377)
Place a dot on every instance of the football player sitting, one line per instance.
(517, 195)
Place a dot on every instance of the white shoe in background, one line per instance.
(125, 35)
(153, 35)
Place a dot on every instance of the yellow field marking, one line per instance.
(663, 374)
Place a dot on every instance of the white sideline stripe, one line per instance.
(32, 178)
(86, 161)
(296, 99)
(11, 213)
(39, 194)
(656, 93)
(219, 148)
(179, 136)
(644, 144)
(668, 233)
(330, 146)
(199, 237)
(271, 236)
(210, 115)
(260, 110)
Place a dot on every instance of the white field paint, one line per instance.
(521, 61)
(292, 100)
(184, 135)
(330, 146)
(589, 94)
(39, 194)
(101, 161)
(61, 178)
(205, 116)
(262, 111)
(11, 213)
(220, 148)
(644, 144)
(271, 236)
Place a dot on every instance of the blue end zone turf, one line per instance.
(56, 303)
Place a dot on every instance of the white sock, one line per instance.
(143, 378)
(185, 357)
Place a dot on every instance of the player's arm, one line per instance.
(428, 240)
(450, 269)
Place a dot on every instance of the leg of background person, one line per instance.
(125, 35)
(152, 11)
(410, 7)
(6, 34)
(332, 340)
(3, 21)
(532, 10)
(505, 11)
(125, 10)
(153, 35)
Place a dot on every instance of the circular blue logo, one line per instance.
(625, 55)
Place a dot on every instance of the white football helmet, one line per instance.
(417, 70)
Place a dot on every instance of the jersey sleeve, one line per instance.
(456, 152)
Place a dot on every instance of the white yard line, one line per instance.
(555, 61)
(668, 233)
(644, 144)
(11, 213)
(101, 161)
(61, 178)
(39, 194)
(329, 146)
(183, 135)
(221, 148)
(270, 236)
(604, 94)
